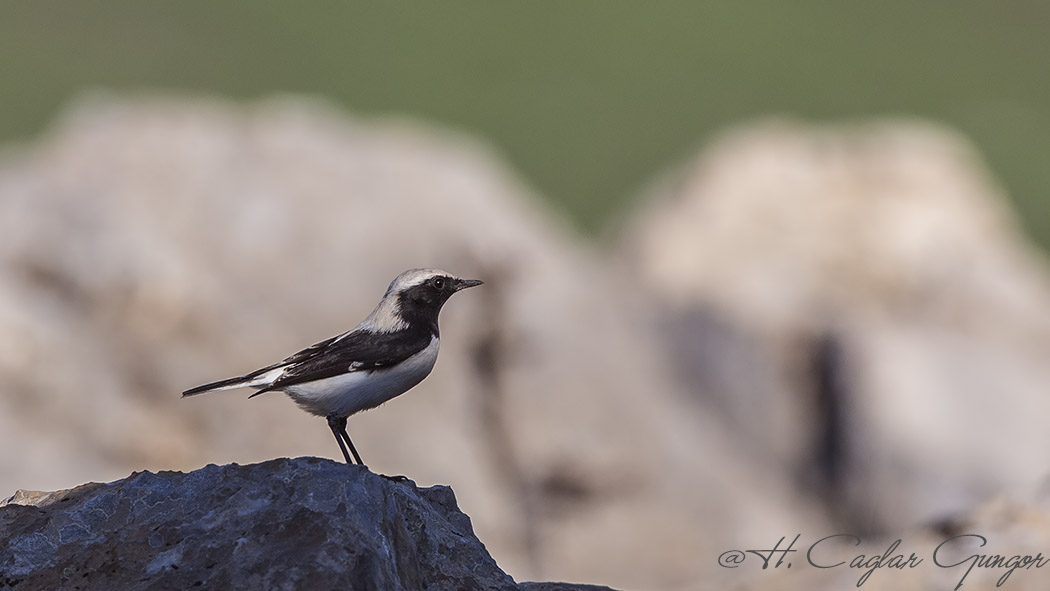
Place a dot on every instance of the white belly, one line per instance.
(350, 393)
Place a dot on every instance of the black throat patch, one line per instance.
(420, 305)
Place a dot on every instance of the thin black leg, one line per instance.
(353, 450)
(338, 426)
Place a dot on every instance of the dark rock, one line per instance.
(306, 523)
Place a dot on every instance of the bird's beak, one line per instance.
(462, 284)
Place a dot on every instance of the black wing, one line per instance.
(303, 355)
(356, 351)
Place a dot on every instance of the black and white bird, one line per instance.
(384, 356)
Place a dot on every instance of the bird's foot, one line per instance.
(398, 478)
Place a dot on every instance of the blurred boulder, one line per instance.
(284, 524)
(857, 302)
(150, 245)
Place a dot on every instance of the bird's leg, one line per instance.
(353, 450)
(338, 427)
(346, 436)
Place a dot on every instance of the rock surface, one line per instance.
(302, 523)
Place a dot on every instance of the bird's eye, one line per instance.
(439, 283)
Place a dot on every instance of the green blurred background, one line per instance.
(589, 100)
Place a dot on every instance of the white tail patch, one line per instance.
(265, 379)
(233, 386)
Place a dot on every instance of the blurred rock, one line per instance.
(151, 245)
(857, 302)
(285, 524)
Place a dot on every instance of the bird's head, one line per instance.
(427, 288)
(416, 295)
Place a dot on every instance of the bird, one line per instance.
(391, 351)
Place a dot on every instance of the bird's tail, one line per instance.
(256, 379)
(229, 384)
